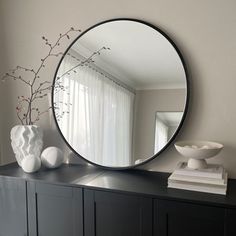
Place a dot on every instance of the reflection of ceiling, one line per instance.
(140, 56)
(170, 118)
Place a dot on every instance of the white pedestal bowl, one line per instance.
(198, 151)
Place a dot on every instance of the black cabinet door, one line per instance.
(54, 210)
(13, 210)
(113, 214)
(231, 222)
(185, 219)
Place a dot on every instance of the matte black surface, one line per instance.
(147, 183)
(154, 184)
(66, 174)
(13, 213)
(230, 222)
(186, 99)
(185, 219)
(114, 214)
(54, 210)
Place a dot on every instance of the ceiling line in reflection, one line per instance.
(96, 68)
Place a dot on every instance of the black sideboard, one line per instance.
(77, 200)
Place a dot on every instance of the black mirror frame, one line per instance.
(186, 98)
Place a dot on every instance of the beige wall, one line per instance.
(204, 30)
(2, 93)
(1, 108)
(147, 103)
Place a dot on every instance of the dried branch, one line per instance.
(87, 60)
(26, 113)
(14, 77)
(26, 104)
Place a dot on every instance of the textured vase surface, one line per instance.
(26, 141)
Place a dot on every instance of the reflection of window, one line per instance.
(166, 124)
(161, 135)
(100, 119)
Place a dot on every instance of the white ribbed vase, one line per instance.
(27, 142)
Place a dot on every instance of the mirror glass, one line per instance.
(120, 93)
(166, 125)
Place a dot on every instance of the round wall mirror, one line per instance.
(120, 93)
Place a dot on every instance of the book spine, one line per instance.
(198, 189)
(196, 174)
(199, 184)
(199, 179)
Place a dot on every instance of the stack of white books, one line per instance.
(212, 179)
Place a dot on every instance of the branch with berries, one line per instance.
(59, 85)
(26, 112)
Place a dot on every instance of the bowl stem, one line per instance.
(197, 163)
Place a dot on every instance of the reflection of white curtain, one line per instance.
(161, 135)
(100, 119)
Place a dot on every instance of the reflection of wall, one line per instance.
(147, 103)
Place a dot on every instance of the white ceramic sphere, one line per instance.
(52, 157)
(30, 164)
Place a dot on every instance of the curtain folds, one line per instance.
(97, 115)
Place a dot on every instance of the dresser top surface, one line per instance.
(146, 183)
